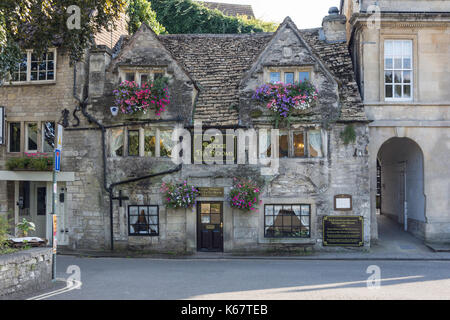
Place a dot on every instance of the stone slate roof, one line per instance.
(230, 9)
(217, 63)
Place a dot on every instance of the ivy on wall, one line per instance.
(187, 16)
(349, 134)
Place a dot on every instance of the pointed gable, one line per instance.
(287, 48)
(144, 49)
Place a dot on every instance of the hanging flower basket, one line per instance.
(131, 98)
(283, 99)
(244, 195)
(179, 196)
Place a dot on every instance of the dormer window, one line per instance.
(287, 74)
(36, 68)
(141, 76)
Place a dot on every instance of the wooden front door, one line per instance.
(210, 226)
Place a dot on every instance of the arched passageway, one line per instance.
(400, 178)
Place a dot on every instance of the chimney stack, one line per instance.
(333, 26)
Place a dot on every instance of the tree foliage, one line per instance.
(187, 16)
(139, 11)
(41, 24)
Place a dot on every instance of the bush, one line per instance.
(4, 230)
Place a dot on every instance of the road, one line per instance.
(126, 278)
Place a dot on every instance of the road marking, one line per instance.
(70, 285)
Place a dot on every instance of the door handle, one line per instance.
(221, 225)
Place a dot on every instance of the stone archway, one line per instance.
(402, 184)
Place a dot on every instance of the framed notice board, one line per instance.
(343, 231)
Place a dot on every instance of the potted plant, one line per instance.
(244, 195)
(26, 226)
(130, 98)
(283, 100)
(179, 195)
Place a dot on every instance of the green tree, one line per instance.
(140, 11)
(41, 24)
(187, 16)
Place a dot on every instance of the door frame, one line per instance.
(199, 234)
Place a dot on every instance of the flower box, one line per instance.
(132, 98)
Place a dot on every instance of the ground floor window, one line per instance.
(143, 220)
(287, 221)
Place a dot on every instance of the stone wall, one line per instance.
(25, 271)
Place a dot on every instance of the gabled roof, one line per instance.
(230, 9)
(217, 63)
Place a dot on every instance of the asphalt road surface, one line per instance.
(122, 278)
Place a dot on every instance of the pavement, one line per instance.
(393, 244)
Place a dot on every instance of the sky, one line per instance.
(305, 13)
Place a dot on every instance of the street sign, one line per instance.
(60, 137)
(57, 160)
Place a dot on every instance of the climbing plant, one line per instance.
(349, 134)
(187, 16)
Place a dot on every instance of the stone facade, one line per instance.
(423, 119)
(211, 79)
(25, 272)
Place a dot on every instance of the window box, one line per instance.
(31, 162)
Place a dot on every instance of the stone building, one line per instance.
(400, 51)
(113, 166)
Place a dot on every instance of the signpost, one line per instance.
(57, 168)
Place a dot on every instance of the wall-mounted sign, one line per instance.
(2, 125)
(343, 231)
(211, 192)
(343, 202)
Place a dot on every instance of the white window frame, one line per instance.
(20, 136)
(26, 136)
(393, 56)
(28, 80)
(43, 135)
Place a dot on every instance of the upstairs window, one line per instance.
(140, 142)
(31, 133)
(288, 74)
(300, 143)
(14, 137)
(48, 136)
(141, 76)
(275, 77)
(398, 68)
(34, 68)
